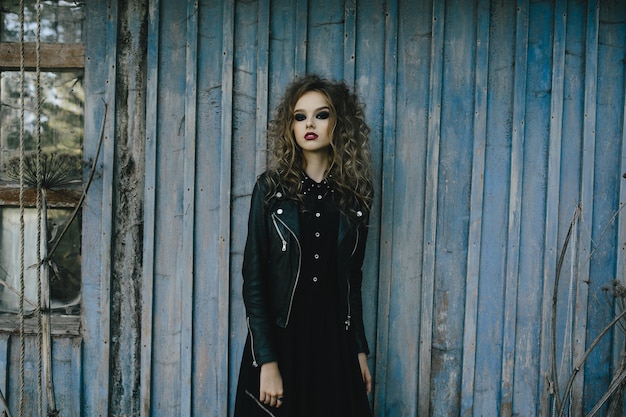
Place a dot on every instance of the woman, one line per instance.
(306, 353)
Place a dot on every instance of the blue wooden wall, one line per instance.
(495, 124)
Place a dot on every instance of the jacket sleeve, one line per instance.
(356, 301)
(255, 288)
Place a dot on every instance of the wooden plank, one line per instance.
(552, 203)
(620, 248)
(300, 37)
(61, 324)
(76, 377)
(224, 211)
(5, 364)
(262, 84)
(349, 43)
(100, 81)
(147, 287)
(208, 357)
(476, 208)
(54, 56)
(430, 219)
(245, 157)
(186, 259)
(167, 313)
(515, 206)
(9, 197)
(527, 374)
(370, 86)
(586, 200)
(386, 208)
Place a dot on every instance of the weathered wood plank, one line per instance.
(430, 216)
(476, 208)
(225, 201)
(530, 282)
(245, 156)
(581, 327)
(209, 380)
(514, 209)
(386, 208)
(150, 181)
(452, 222)
(55, 56)
(551, 249)
(325, 40)
(167, 322)
(349, 42)
(262, 84)
(61, 325)
(5, 363)
(186, 266)
(100, 81)
(370, 86)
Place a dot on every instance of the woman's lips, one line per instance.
(310, 136)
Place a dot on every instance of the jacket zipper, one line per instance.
(254, 362)
(282, 239)
(348, 319)
(295, 285)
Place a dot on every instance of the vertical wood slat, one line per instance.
(5, 345)
(515, 203)
(301, 24)
(189, 190)
(552, 197)
(476, 208)
(147, 288)
(386, 209)
(587, 195)
(620, 267)
(349, 41)
(228, 33)
(262, 84)
(76, 376)
(430, 212)
(100, 76)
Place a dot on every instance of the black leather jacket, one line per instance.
(271, 270)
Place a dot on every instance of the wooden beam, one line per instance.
(61, 325)
(53, 56)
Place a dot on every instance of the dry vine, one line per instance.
(618, 383)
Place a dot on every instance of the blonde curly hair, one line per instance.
(350, 168)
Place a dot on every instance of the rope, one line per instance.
(39, 215)
(22, 229)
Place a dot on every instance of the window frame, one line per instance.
(56, 57)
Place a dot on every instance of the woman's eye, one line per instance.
(323, 115)
(300, 117)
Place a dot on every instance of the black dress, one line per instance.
(318, 357)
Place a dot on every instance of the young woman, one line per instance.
(306, 353)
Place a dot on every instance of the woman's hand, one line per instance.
(365, 372)
(271, 392)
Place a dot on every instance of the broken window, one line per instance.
(60, 124)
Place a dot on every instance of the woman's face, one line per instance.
(312, 122)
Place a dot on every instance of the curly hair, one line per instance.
(350, 168)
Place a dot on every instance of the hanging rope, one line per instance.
(40, 217)
(22, 229)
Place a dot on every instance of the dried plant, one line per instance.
(57, 169)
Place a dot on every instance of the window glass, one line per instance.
(61, 115)
(61, 21)
(64, 270)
